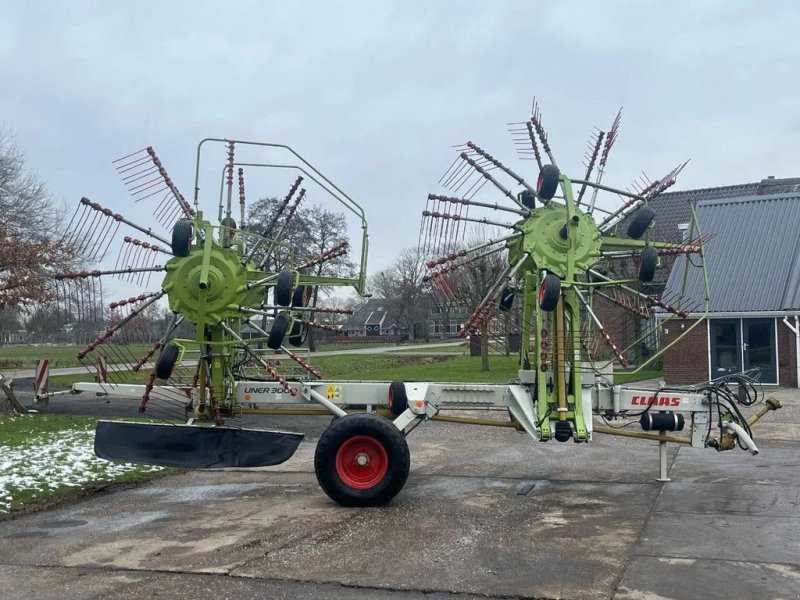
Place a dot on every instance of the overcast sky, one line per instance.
(375, 93)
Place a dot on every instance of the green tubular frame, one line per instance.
(552, 380)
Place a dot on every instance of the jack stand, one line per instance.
(662, 461)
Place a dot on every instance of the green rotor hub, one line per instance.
(553, 238)
(222, 295)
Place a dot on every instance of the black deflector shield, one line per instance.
(192, 447)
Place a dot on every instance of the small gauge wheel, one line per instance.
(166, 361)
(647, 264)
(182, 236)
(641, 221)
(278, 331)
(547, 184)
(283, 288)
(549, 292)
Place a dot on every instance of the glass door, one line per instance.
(726, 347)
(758, 337)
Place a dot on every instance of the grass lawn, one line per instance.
(390, 367)
(622, 377)
(45, 459)
(459, 349)
(66, 355)
(65, 381)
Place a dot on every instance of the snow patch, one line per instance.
(60, 459)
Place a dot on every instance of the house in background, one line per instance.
(375, 317)
(753, 265)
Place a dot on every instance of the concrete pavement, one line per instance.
(485, 513)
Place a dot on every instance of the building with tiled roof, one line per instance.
(753, 264)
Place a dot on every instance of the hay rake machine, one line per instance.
(546, 281)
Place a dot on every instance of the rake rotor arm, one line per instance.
(506, 170)
(591, 159)
(529, 138)
(622, 360)
(334, 252)
(307, 366)
(462, 253)
(99, 273)
(446, 216)
(118, 217)
(613, 243)
(651, 300)
(486, 175)
(175, 321)
(509, 273)
(458, 265)
(275, 217)
(114, 328)
(455, 200)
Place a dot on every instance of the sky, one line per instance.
(376, 93)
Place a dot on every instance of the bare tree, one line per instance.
(29, 231)
(401, 285)
(310, 231)
(468, 285)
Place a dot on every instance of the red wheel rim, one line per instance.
(542, 291)
(391, 397)
(362, 462)
(539, 182)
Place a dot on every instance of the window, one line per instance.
(684, 229)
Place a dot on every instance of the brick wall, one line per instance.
(787, 359)
(687, 361)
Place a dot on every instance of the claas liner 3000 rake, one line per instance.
(560, 259)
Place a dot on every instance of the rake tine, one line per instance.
(594, 149)
(445, 175)
(496, 163)
(145, 172)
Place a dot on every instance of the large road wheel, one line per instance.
(362, 460)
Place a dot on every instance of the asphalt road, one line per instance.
(486, 513)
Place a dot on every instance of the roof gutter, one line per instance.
(796, 331)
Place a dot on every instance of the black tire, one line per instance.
(527, 199)
(506, 300)
(182, 237)
(167, 360)
(549, 292)
(362, 436)
(298, 334)
(278, 331)
(641, 221)
(398, 399)
(302, 296)
(647, 264)
(547, 184)
(283, 288)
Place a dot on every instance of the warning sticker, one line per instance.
(334, 392)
